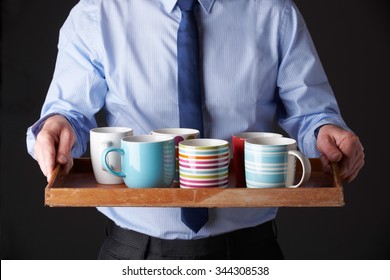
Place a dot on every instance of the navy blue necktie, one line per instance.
(190, 104)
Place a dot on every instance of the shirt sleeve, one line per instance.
(78, 88)
(307, 99)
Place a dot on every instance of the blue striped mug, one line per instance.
(270, 163)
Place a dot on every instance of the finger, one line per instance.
(68, 166)
(45, 153)
(66, 142)
(351, 177)
(38, 157)
(42, 166)
(332, 153)
(325, 164)
(349, 174)
(65, 145)
(329, 149)
(329, 153)
(353, 158)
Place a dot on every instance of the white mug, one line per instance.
(100, 139)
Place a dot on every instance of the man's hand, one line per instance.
(54, 144)
(344, 147)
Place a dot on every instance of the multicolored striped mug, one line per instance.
(204, 163)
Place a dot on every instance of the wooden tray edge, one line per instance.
(211, 198)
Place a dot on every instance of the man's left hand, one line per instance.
(338, 145)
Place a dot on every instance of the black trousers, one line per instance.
(257, 243)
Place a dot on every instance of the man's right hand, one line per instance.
(54, 144)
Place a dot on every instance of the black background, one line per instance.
(353, 40)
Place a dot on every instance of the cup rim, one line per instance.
(256, 134)
(111, 129)
(175, 131)
(270, 141)
(203, 143)
(147, 138)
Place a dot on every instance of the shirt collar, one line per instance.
(169, 5)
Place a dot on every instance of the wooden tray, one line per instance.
(79, 189)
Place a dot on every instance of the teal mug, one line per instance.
(147, 161)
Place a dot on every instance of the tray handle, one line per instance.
(54, 175)
(336, 175)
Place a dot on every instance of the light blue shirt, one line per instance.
(260, 67)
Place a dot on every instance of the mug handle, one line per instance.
(103, 146)
(306, 167)
(105, 164)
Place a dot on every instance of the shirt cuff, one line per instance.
(34, 130)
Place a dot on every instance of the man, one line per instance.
(258, 64)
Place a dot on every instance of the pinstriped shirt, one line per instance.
(259, 67)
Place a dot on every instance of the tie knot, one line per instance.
(186, 5)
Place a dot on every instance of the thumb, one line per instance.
(66, 142)
(64, 147)
(329, 149)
